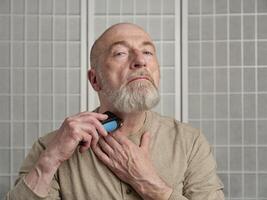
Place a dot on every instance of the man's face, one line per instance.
(129, 70)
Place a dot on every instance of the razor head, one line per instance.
(112, 123)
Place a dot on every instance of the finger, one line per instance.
(145, 141)
(112, 142)
(105, 147)
(99, 116)
(101, 155)
(90, 130)
(85, 144)
(95, 122)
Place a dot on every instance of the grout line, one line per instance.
(134, 11)
(39, 72)
(256, 97)
(67, 59)
(107, 13)
(25, 78)
(120, 10)
(242, 101)
(53, 64)
(200, 62)
(184, 64)
(161, 54)
(214, 79)
(11, 93)
(193, 41)
(228, 102)
(228, 14)
(84, 55)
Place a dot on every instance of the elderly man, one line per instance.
(149, 157)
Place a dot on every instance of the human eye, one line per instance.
(119, 53)
(147, 52)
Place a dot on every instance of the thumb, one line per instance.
(145, 141)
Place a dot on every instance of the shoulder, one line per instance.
(179, 134)
(170, 123)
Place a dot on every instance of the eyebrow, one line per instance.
(124, 43)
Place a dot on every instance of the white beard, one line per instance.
(140, 95)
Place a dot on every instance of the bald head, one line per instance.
(108, 36)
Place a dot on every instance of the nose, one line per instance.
(139, 60)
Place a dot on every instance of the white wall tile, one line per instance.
(114, 7)
(4, 6)
(100, 7)
(60, 81)
(74, 54)
(168, 81)
(60, 55)
(4, 54)
(4, 80)
(32, 6)
(33, 81)
(74, 105)
(141, 6)
(46, 7)
(18, 157)
(168, 103)
(46, 108)
(32, 27)
(154, 27)
(33, 104)
(207, 80)
(169, 6)
(168, 54)
(4, 24)
(60, 107)
(4, 107)
(46, 81)
(5, 134)
(46, 28)
(18, 81)
(60, 6)
(74, 28)
(155, 6)
(4, 166)
(207, 6)
(168, 28)
(74, 81)
(32, 133)
(18, 134)
(32, 57)
(128, 6)
(60, 28)
(250, 131)
(46, 55)
(74, 7)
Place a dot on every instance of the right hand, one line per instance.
(81, 129)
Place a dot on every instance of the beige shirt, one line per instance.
(179, 152)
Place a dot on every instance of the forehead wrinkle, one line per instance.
(126, 44)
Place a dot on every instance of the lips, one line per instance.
(139, 78)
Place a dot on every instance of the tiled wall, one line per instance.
(158, 18)
(227, 94)
(39, 74)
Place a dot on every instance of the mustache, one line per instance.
(139, 73)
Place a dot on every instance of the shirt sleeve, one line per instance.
(21, 191)
(201, 181)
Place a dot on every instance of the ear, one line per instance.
(93, 79)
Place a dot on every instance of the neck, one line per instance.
(132, 122)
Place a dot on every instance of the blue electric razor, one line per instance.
(112, 123)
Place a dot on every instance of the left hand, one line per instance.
(132, 164)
